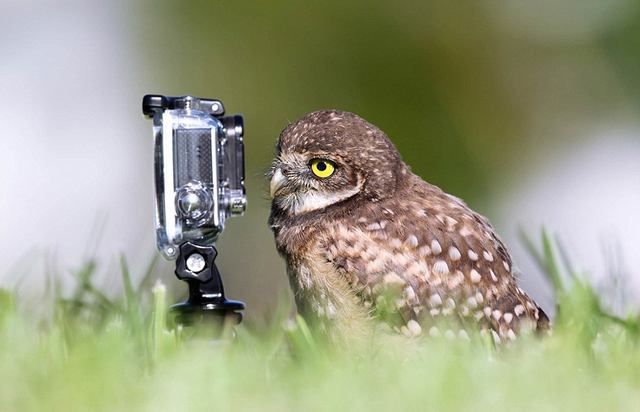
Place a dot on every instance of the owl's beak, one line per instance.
(278, 184)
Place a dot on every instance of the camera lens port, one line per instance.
(193, 202)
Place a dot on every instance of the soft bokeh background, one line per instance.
(527, 110)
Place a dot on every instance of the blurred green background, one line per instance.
(479, 97)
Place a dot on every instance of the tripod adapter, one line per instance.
(206, 306)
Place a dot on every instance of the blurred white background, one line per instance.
(75, 165)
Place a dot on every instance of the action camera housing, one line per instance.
(199, 169)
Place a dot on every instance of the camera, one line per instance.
(199, 169)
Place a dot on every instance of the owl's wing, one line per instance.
(424, 255)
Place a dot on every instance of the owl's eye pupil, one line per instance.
(322, 166)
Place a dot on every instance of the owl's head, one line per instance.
(329, 157)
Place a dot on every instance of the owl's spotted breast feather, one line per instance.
(396, 249)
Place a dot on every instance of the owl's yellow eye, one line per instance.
(322, 168)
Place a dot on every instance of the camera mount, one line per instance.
(207, 303)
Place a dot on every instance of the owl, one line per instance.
(368, 243)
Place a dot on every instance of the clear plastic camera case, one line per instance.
(192, 190)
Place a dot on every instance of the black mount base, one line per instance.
(206, 306)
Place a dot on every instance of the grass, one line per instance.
(95, 352)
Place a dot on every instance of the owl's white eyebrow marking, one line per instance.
(293, 158)
(313, 200)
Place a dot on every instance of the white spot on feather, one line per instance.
(451, 222)
(474, 276)
(412, 240)
(518, 310)
(496, 338)
(464, 232)
(493, 275)
(374, 226)
(440, 267)
(435, 300)
(409, 294)
(435, 247)
(414, 328)
(454, 253)
(424, 251)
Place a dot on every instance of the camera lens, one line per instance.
(190, 203)
(193, 202)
